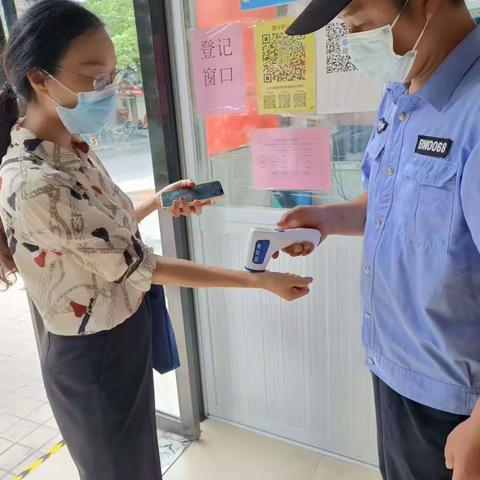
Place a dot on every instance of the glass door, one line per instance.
(179, 396)
(279, 121)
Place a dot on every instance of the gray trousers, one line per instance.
(411, 437)
(100, 388)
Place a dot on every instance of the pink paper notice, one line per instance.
(219, 69)
(291, 158)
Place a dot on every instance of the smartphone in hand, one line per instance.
(203, 192)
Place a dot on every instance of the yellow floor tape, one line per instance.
(40, 461)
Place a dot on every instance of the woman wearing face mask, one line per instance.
(72, 235)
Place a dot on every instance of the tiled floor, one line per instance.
(229, 453)
(61, 467)
(27, 427)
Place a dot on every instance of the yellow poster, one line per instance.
(285, 69)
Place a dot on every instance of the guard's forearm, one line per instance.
(346, 218)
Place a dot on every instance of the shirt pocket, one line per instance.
(374, 151)
(425, 194)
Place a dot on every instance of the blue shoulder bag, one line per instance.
(165, 351)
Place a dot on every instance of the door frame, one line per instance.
(152, 27)
(10, 12)
(3, 41)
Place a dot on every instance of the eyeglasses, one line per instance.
(102, 80)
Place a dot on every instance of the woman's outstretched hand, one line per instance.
(286, 285)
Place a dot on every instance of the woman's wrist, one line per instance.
(246, 279)
(254, 280)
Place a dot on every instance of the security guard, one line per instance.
(420, 215)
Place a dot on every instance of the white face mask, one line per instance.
(373, 54)
(94, 109)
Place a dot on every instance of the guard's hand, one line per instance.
(301, 217)
(181, 207)
(462, 452)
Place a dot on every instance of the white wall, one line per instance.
(293, 370)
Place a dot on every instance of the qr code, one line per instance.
(270, 102)
(284, 58)
(338, 60)
(285, 100)
(300, 100)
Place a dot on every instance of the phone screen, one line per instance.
(202, 192)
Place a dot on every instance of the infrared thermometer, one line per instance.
(263, 243)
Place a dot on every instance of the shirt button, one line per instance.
(402, 116)
(371, 362)
(367, 270)
(390, 172)
(378, 222)
(368, 316)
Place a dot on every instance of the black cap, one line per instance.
(316, 16)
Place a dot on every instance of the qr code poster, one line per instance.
(341, 88)
(219, 69)
(285, 69)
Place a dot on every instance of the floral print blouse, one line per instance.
(73, 236)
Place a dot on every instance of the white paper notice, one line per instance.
(291, 158)
(341, 88)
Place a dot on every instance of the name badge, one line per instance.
(433, 146)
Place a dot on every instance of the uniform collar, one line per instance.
(396, 90)
(442, 84)
(25, 140)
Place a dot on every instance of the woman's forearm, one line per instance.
(173, 271)
(145, 209)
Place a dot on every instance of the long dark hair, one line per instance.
(38, 41)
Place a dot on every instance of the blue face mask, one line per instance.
(94, 110)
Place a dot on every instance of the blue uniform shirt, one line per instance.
(421, 265)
